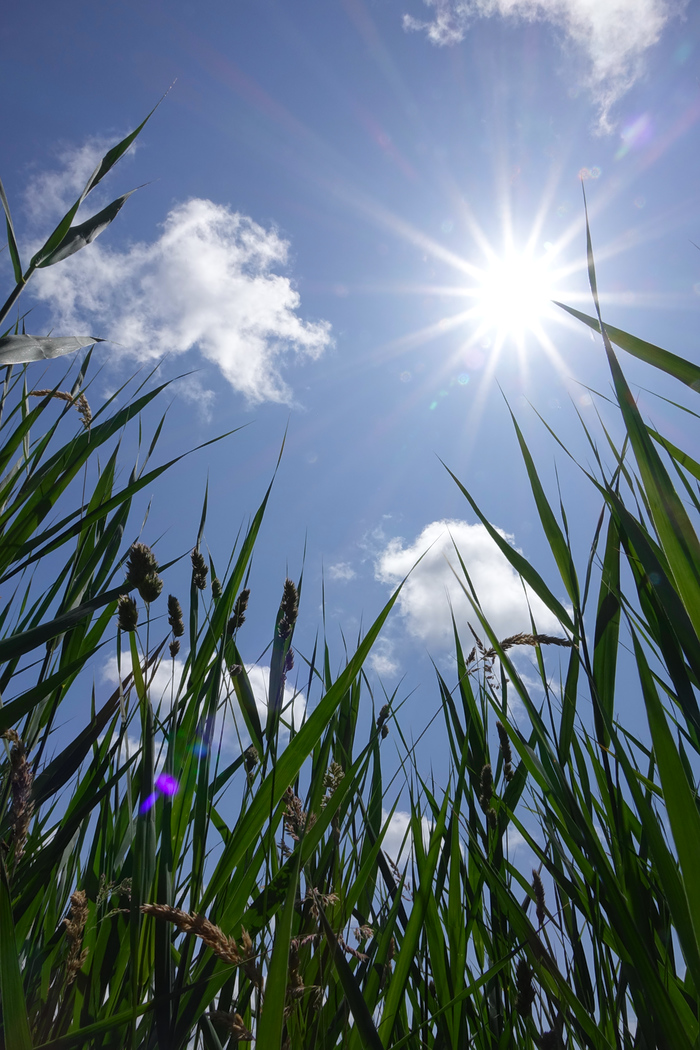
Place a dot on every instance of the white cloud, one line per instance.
(425, 599)
(208, 282)
(613, 35)
(382, 659)
(167, 679)
(398, 839)
(342, 570)
(50, 194)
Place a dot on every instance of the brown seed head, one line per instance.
(175, 616)
(174, 648)
(142, 572)
(289, 609)
(239, 610)
(486, 787)
(75, 926)
(127, 613)
(525, 989)
(21, 781)
(200, 569)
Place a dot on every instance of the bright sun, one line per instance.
(512, 295)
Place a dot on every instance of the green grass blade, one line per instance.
(14, 1009)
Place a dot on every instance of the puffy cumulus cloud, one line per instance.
(613, 35)
(209, 282)
(431, 588)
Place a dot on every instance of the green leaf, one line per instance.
(21, 349)
(675, 366)
(11, 240)
(269, 1033)
(14, 1010)
(80, 236)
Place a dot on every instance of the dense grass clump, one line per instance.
(150, 898)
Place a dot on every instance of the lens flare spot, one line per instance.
(463, 379)
(149, 803)
(167, 784)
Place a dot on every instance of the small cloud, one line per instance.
(432, 588)
(382, 658)
(210, 282)
(342, 570)
(398, 839)
(612, 35)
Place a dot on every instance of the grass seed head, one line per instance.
(175, 616)
(174, 648)
(200, 570)
(216, 587)
(239, 611)
(21, 781)
(506, 751)
(525, 989)
(142, 572)
(234, 1024)
(127, 613)
(80, 402)
(191, 922)
(75, 927)
(289, 609)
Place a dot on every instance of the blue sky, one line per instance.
(338, 196)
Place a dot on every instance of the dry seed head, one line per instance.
(80, 402)
(190, 922)
(289, 660)
(151, 587)
(486, 787)
(216, 587)
(539, 896)
(174, 648)
(289, 608)
(331, 780)
(363, 933)
(142, 572)
(175, 616)
(296, 821)
(234, 1024)
(526, 991)
(239, 610)
(21, 781)
(127, 613)
(506, 751)
(385, 732)
(75, 926)
(383, 715)
(200, 569)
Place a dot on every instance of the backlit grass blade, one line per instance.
(680, 801)
(80, 236)
(519, 563)
(675, 366)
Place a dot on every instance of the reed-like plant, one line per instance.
(151, 898)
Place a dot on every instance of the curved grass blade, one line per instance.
(675, 366)
(21, 349)
(80, 236)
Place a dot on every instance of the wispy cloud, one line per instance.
(432, 589)
(210, 282)
(612, 35)
(342, 570)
